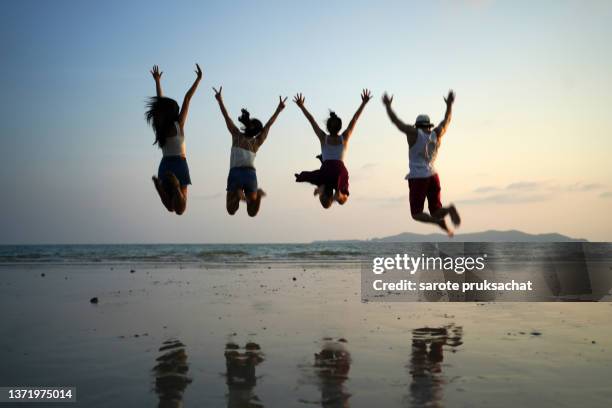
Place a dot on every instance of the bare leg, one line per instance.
(175, 192)
(181, 201)
(165, 198)
(254, 202)
(422, 217)
(232, 202)
(340, 197)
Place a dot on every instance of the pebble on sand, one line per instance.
(294, 278)
(93, 300)
(132, 271)
(42, 274)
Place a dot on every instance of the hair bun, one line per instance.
(332, 114)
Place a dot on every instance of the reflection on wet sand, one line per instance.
(241, 378)
(171, 374)
(426, 363)
(333, 364)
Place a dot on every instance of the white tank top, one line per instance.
(333, 152)
(240, 157)
(422, 155)
(175, 145)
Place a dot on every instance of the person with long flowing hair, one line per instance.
(168, 122)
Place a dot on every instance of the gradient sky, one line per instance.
(529, 146)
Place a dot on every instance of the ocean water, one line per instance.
(350, 251)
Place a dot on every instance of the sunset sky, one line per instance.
(528, 148)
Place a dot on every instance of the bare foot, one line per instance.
(241, 195)
(454, 215)
(261, 193)
(442, 224)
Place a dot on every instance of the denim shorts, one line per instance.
(176, 165)
(242, 178)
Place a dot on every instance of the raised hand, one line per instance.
(156, 73)
(366, 95)
(198, 72)
(281, 103)
(218, 93)
(386, 99)
(450, 98)
(299, 100)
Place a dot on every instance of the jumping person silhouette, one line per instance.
(168, 122)
(242, 178)
(332, 178)
(423, 180)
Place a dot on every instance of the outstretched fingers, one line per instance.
(281, 102)
(156, 72)
(366, 95)
(198, 71)
(299, 99)
(387, 99)
(450, 98)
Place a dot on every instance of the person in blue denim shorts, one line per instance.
(242, 178)
(168, 122)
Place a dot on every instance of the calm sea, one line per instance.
(315, 252)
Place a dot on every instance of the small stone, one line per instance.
(132, 271)
(94, 300)
(42, 274)
(294, 278)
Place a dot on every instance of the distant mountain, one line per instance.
(484, 236)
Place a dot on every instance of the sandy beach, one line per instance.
(288, 334)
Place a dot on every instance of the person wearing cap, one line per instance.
(423, 181)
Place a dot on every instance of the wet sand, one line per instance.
(252, 336)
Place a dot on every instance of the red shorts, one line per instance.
(332, 174)
(421, 188)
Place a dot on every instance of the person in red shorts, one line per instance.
(423, 181)
(332, 178)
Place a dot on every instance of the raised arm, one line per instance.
(234, 131)
(264, 133)
(409, 130)
(299, 101)
(441, 128)
(188, 95)
(366, 95)
(157, 77)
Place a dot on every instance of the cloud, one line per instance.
(525, 185)
(527, 192)
(507, 198)
(606, 194)
(368, 166)
(486, 189)
(584, 187)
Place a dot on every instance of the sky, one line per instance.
(528, 147)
